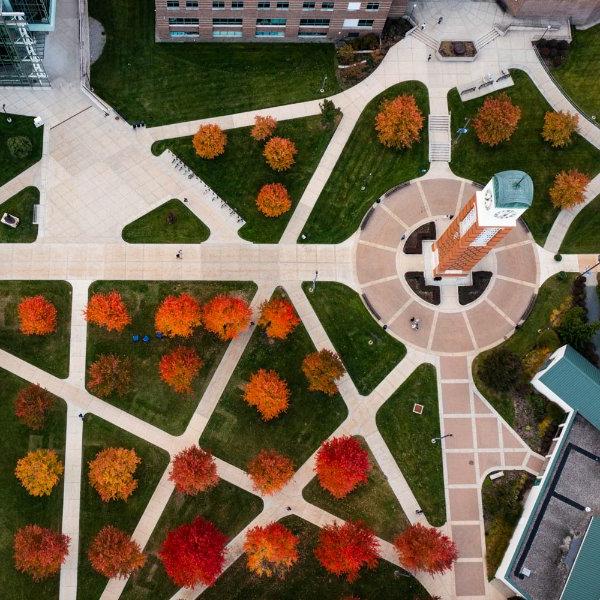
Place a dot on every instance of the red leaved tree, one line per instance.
(209, 141)
(226, 316)
(273, 200)
(194, 553)
(111, 473)
(110, 373)
(270, 471)
(108, 311)
(32, 404)
(345, 549)
(279, 153)
(278, 317)
(568, 188)
(342, 464)
(114, 554)
(264, 127)
(399, 122)
(322, 369)
(496, 120)
(39, 552)
(193, 470)
(178, 315)
(37, 316)
(423, 548)
(268, 393)
(39, 471)
(559, 128)
(179, 368)
(271, 549)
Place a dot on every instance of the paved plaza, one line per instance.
(97, 174)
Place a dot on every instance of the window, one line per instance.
(314, 22)
(308, 6)
(350, 23)
(353, 6)
(372, 5)
(485, 236)
(365, 22)
(237, 4)
(467, 222)
(174, 34)
(327, 6)
(183, 21)
(269, 34)
(218, 4)
(229, 21)
(191, 4)
(312, 34)
(172, 3)
(227, 33)
(264, 5)
(277, 22)
(283, 5)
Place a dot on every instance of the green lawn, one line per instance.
(169, 82)
(241, 171)
(526, 150)
(365, 162)
(20, 205)
(95, 514)
(307, 580)
(235, 431)
(583, 235)
(18, 507)
(374, 503)
(227, 506)
(367, 351)
(580, 76)
(150, 398)
(154, 227)
(48, 352)
(20, 125)
(408, 437)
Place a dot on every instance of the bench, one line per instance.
(370, 307)
(527, 311)
(396, 188)
(367, 217)
(36, 214)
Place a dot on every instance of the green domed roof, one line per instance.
(512, 189)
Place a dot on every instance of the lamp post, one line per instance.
(412, 10)
(314, 283)
(435, 439)
(548, 28)
(592, 267)
(322, 90)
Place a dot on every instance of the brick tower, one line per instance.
(482, 223)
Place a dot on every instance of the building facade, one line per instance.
(271, 20)
(581, 12)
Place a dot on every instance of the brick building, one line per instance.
(581, 12)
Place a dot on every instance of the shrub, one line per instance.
(19, 146)
(496, 120)
(114, 554)
(501, 370)
(31, 406)
(568, 188)
(399, 122)
(210, 141)
(226, 316)
(179, 368)
(271, 549)
(279, 153)
(323, 369)
(354, 72)
(273, 200)
(268, 393)
(278, 318)
(264, 127)
(345, 54)
(329, 113)
(575, 330)
(193, 471)
(37, 316)
(178, 315)
(110, 374)
(108, 311)
(548, 339)
(39, 472)
(39, 552)
(559, 128)
(534, 359)
(270, 471)
(111, 473)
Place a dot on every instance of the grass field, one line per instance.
(238, 175)
(526, 150)
(374, 503)
(583, 235)
(163, 83)
(155, 228)
(367, 351)
(235, 431)
(364, 162)
(18, 507)
(19, 125)
(150, 398)
(48, 352)
(20, 205)
(408, 437)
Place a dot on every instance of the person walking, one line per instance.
(440, 20)
(179, 255)
(423, 24)
(429, 58)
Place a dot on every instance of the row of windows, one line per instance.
(232, 33)
(239, 4)
(277, 22)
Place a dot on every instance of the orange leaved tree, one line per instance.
(273, 200)
(559, 128)
(37, 316)
(110, 373)
(279, 153)
(114, 554)
(270, 471)
(278, 318)
(193, 470)
(322, 369)
(226, 316)
(268, 393)
(39, 471)
(568, 188)
(264, 127)
(423, 548)
(32, 404)
(399, 122)
(271, 549)
(496, 120)
(342, 464)
(209, 141)
(111, 473)
(39, 552)
(345, 549)
(179, 368)
(108, 311)
(178, 315)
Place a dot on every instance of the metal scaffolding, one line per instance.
(35, 11)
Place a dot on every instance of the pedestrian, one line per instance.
(412, 319)
(288, 508)
(185, 200)
(179, 254)
(429, 58)
(423, 25)
(418, 511)
(80, 415)
(417, 323)
(440, 20)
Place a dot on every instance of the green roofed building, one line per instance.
(584, 579)
(512, 189)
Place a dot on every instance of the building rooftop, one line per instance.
(512, 189)
(583, 582)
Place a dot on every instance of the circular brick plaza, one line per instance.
(448, 328)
